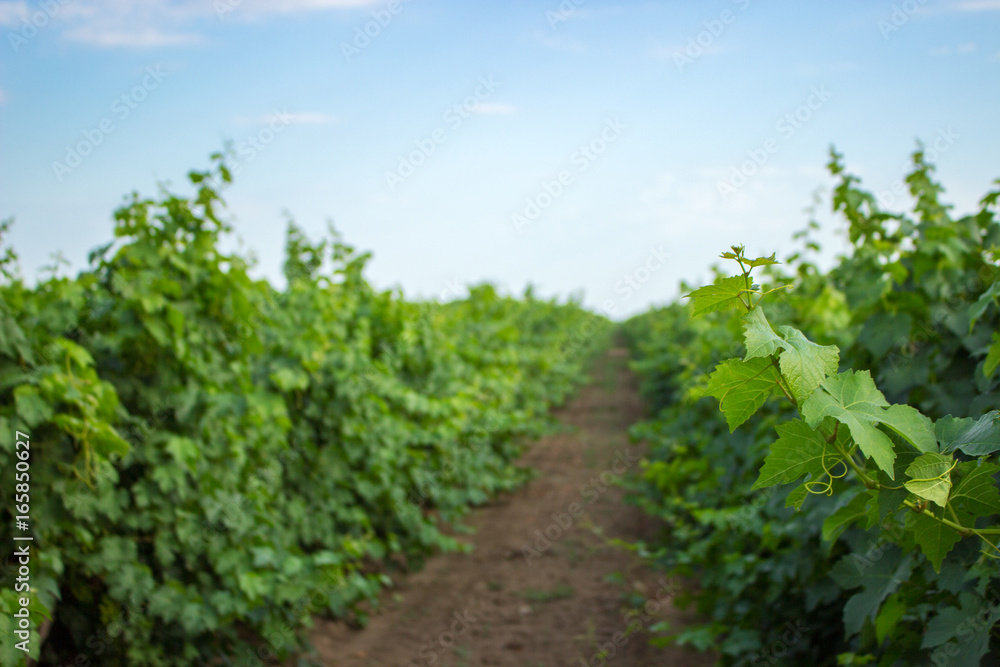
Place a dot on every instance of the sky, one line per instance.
(609, 149)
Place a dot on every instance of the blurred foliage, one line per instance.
(214, 460)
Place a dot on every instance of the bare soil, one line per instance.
(543, 584)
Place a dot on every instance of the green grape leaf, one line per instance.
(74, 352)
(157, 330)
(761, 341)
(911, 424)
(9, 653)
(737, 254)
(31, 407)
(992, 357)
(976, 491)
(798, 451)
(107, 441)
(761, 261)
(930, 477)
(934, 538)
(797, 496)
(888, 617)
(852, 399)
(969, 625)
(185, 451)
(723, 294)
(884, 331)
(289, 379)
(741, 387)
(843, 518)
(977, 309)
(891, 499)
(974, 437)
(879, 579)
(804, 364)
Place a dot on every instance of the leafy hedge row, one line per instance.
(852, 566)
(214, 460)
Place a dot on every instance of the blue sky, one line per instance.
(613, 148)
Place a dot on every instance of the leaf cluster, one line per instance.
(873, 513)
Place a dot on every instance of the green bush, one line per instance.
(214, 460)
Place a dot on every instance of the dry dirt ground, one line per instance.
(530, 598)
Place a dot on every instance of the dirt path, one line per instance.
(536, 590)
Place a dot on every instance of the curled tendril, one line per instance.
(825, 483)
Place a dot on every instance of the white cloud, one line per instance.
(11, 13)
(967, 47)
(109, 37)
(261, 7)
(154, 23)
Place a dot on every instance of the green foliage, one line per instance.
(723, 294)
(215, 460)
(742, 387)
(874, 513)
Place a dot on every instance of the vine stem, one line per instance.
(774, 362)
(964, 530)
(862, 475)
(954, 514)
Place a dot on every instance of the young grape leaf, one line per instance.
(804, 363)
(741, 387)
(798, 450)
(761, 261)
(736, 254)
(930, 477)
(723, 294)
(852, 399)
(976, 492)
(974, 437)
(934, 538)
(761, 341)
